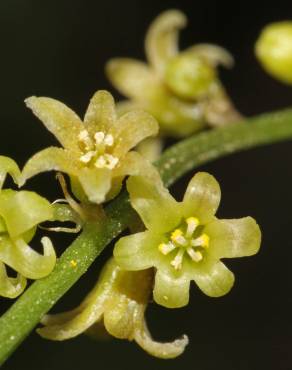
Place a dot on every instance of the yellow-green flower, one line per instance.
(181, 89)
(119, 300)
(184, 241)
(96, 152)
(274, 50)
(20, 213)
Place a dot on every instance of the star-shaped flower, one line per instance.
(96, 152)
(184, 241)
(20, 213)
(118, 301)
(181, 89)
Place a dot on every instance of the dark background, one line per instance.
(58, 49)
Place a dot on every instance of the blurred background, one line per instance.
(58, 49)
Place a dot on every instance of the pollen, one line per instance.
(73, 263)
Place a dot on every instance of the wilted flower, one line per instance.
(274, 50)
(184, 241)
(181, 89)
(96, 153)
(119, 300)
(20, 213)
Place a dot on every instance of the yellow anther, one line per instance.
(166, 248)
(73, 263)
(193, 220)
(175, 234)
(192, 223)
(202, 241)
(205, 240)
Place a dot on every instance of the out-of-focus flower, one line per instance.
(184, 241)
(96, 153)
(181, 89)
(274, 50)
(119, 299)
(20, 213)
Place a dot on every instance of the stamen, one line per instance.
(106, 161)
(192, 223)
(99, 137)
(177, 261)
(85, 158)
(166, 248)
(85, 139)
(178, 238)
(195, 256)
(109, 140)
(202, 241)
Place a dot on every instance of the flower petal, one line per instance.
(7, 165)
(61, 121)
(161, 41)
(131, 129)
(10, 287)
(137, 251)
(70, 324)
(215, 55)
(22, 258)
(100, 114)
(132, 78)
(158, 209)
(96, 183)
(215, 280)
(50, 159)
(169, 291)
(202, 197)
(233, 238)
(22, 210)
(151, 148)
(159, 349)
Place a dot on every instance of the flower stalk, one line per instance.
(27, 311)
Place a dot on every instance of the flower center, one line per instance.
(186, 239)
(95, 150)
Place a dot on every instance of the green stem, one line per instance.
(27, 311)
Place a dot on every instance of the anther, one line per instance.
(166, 248)
(85, 139)
(109, 140)
(202, 241)
(177, 237)
(192, 224)
(177, 261)
(99, 137)
(85, 158)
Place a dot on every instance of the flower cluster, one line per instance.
(180, 242)
(181, 89)
(20, 213)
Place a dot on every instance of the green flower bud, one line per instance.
(274, 50)
(189, 76)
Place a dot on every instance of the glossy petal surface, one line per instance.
(22, 258)
(137, 251)
(214, 281)
(153, 202)
(23, 210)
(8, 165)
(169, 291)
(202, 197)
(234, 238)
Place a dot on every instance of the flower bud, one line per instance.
(189, 76)
(274, 50)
